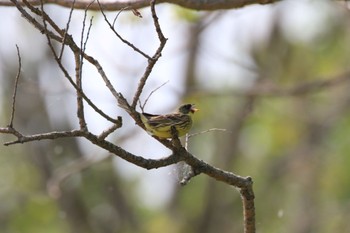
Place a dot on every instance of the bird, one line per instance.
(165, 126)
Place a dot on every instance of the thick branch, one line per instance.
(118, 5)
(247, 196)
(134, 159)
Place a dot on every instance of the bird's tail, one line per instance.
(123, 103)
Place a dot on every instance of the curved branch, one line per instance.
(135, 4)
(134, 159)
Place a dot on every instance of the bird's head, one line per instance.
(187, 108)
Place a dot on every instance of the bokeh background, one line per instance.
(259, 72)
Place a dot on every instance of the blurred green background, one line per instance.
(259, 72)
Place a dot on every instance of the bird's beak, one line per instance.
(193, 109)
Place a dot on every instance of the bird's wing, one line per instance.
(166, 120)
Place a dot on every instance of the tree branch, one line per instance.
(136, 4)
(15, 87)
(37, 137)
(111, 26)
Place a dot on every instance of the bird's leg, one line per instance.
(174, 132)
(175, 137)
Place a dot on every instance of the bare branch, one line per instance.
(32, 20)
(136, 4)
(116, 17)
(43, 15)
(207, 131)
(37, 137)
(79, 61)
(111, 26)
(150, 94)
(15, 87)
(111, 129)
(66, 30)
(247, 196)
(134, 159)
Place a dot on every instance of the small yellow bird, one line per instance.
(162, 126)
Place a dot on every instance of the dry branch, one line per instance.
(136, 4)
(15, 87)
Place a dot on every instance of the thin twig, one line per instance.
(66, 30)
(116, 17)
(150, 94)
(15, 87)
(111, 129)
(111, 26)
(43, 14)
(79, 61)
(31, 19)
(207, 131)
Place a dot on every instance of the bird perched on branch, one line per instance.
(165, 126)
